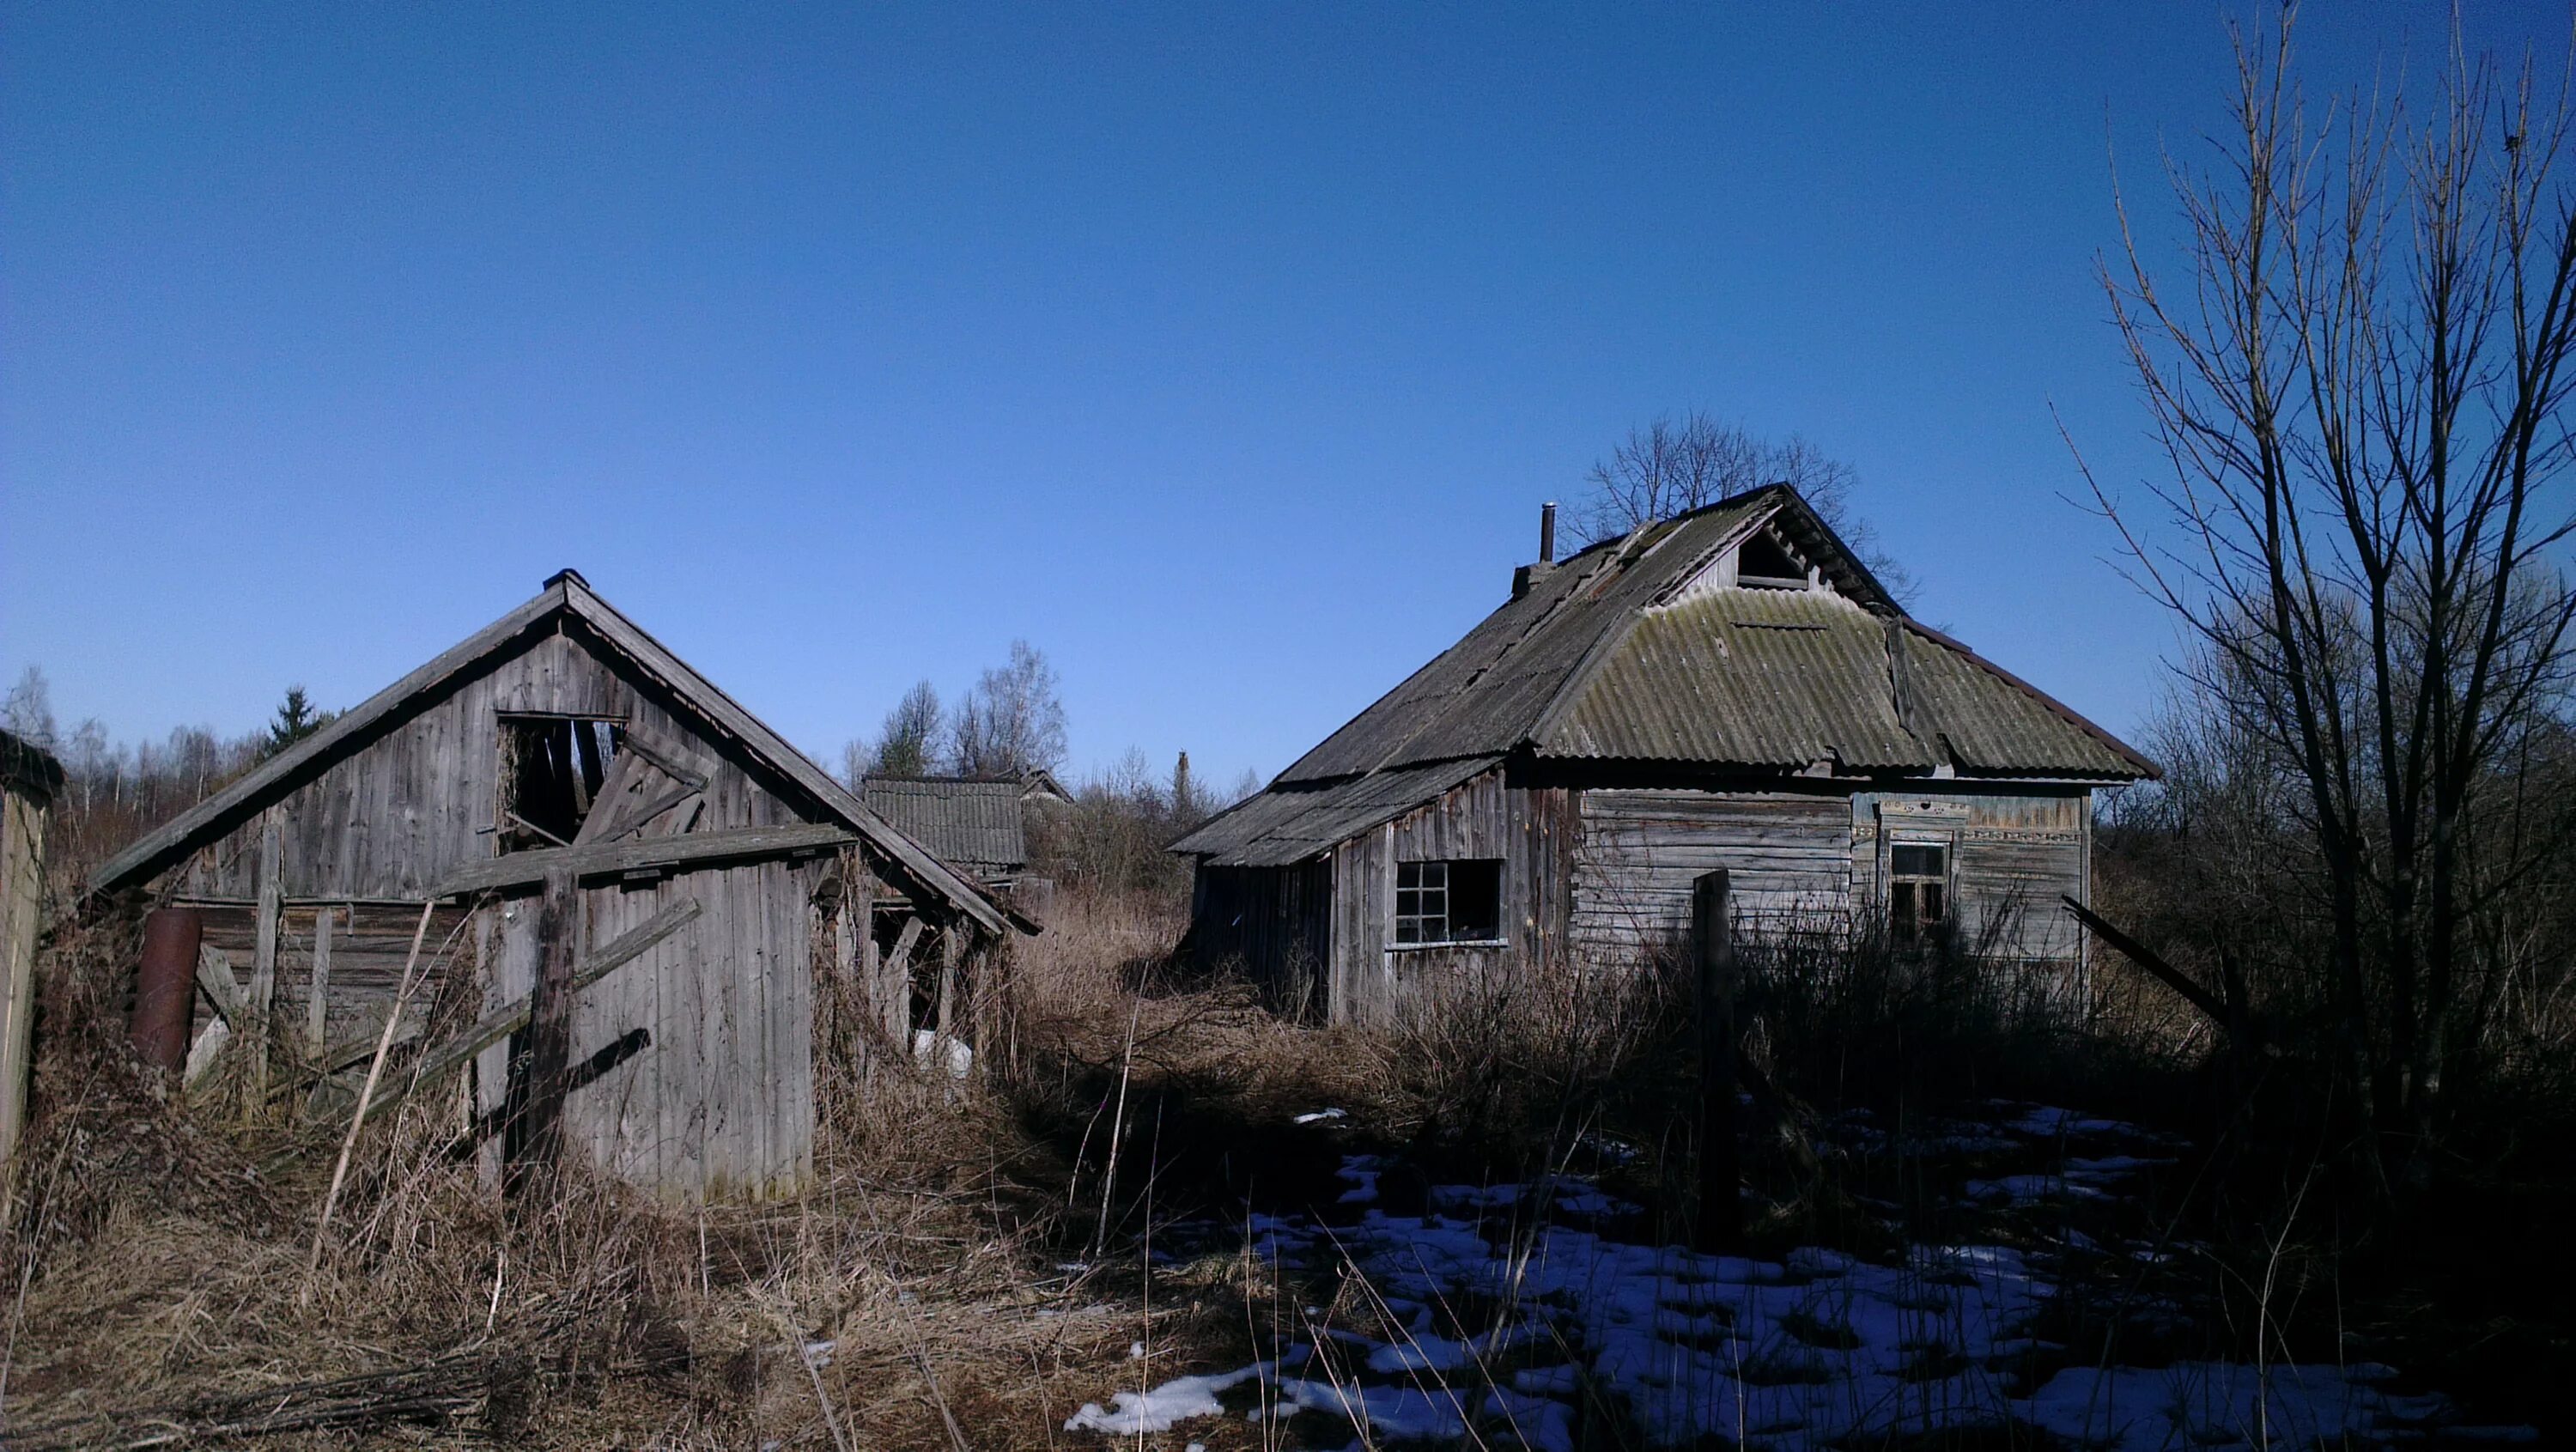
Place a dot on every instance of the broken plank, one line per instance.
(215, 976)
(611, 859)
(511, 1017)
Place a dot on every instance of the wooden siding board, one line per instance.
(1789, 856)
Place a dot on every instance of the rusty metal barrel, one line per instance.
(165, 986)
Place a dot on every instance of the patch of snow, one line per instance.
(933, 1051)
(1131, 1414)
(1319, 1116)
(2219, 1405)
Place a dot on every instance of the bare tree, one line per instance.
(1011, 722)
(29, 710)
(1672, 466)
(2361, 389)
(907, 741)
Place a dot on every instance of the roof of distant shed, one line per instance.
(1622, 654)
(976, 822)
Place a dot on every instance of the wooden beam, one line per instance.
(453, 1054)
(675, 763)
(720, 709)
(24, 817)
(2164, 972)
(615, 859)
(895, 987)
(539, 1149)
(317, 999)
(215, 976)
(263, 962)
(1721, 1172)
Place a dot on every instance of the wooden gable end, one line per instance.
(394, 817)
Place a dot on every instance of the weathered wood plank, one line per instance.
(263, 963)
(215, 976)
(452, 1054)
(607, 859)
(24, 820)
(549, 1055)
(317, 992)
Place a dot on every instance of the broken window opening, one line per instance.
(552, 769)
(1449, 902)
(1764, 562)
(1918, 882)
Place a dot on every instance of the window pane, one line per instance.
(1931, 902)
(1408, 930)
(1408, 875)
(1914, 861)
(1475, 901)
(1434, 874)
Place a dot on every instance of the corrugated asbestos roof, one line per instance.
(1744, 678)
(1607, 656)
(1292, 823)
(976, 824)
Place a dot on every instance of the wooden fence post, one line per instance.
(263, 963)
(317, 997)
(549, 1054)
(29, 778)
(1721, 1171)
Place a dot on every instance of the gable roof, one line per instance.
(975, 821)
(1620, 653)
(565, 596)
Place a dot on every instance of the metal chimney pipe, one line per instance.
(164, 985)
(1547, 533)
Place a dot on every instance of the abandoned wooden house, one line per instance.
(1729, 688)
(642, 891)
(981, 824)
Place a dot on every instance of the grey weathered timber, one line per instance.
(215, 976)
(539, 1150)
(615, 859)
(29, 780)
(696, 1065)
(263, 964)
(733, 719)
(453, 1054)
(182, 834)
(317, 992)
(894, 987)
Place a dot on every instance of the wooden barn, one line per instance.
(1729, 688)
(559, 791)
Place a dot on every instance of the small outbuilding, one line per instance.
(1729, 688)
(982, 824)
(563, 796)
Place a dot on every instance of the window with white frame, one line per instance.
(1918, 891)
(1449, 902)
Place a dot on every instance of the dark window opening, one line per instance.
(1448, 902)
(552, 769)
(1918, 881)
(1764, 560)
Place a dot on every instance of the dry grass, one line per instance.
(155, 1272)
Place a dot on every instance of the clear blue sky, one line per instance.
(1223, 352)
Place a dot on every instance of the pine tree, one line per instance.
(296, 719)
